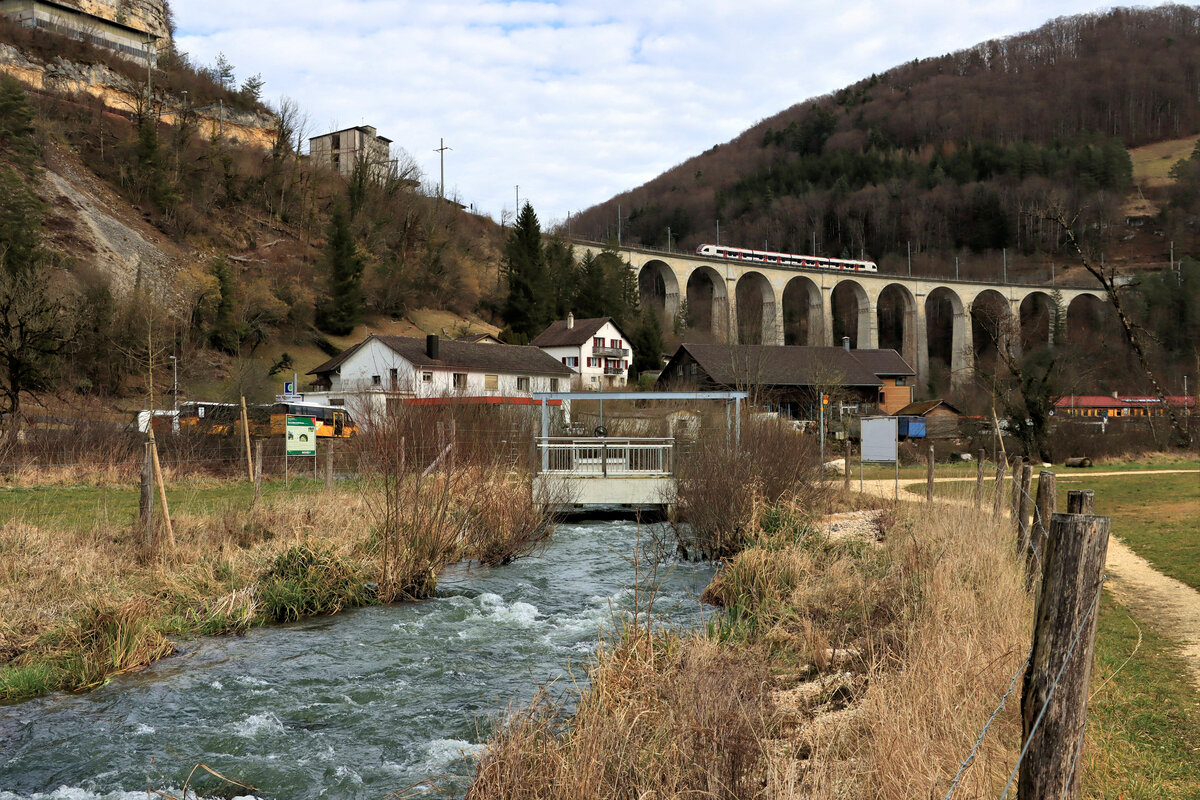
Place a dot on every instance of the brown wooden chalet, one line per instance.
(792, 377)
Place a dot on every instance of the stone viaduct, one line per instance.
(713, 290)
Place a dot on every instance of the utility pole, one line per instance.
(618, 224)
(956, 268)
(442, 152)
(517, 190)
(1004, 256)
(149, 72)
(718, 233)
(910, 259)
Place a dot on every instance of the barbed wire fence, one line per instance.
(1064, 554)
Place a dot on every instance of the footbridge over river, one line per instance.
(758, 303)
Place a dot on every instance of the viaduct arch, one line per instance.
(753, 303)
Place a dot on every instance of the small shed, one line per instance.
(940, 417)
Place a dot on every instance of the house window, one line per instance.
(901, 381)
(617, 344)
(426, 377)
(598, 341)
(491, 382)
(376, 380)
(394, 377)
(459, 381)
(523, 383)
(554, 384)
(336, 142)
(337, 401)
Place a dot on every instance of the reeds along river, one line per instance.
(353, 706)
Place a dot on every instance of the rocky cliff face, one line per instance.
(70, 78)
(145, 15)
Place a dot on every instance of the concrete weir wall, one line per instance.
(597, 490)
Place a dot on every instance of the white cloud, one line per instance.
(576, 100)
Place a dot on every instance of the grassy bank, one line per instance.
(81, 600)
(848, 665)
(1154, 514)
(1143, 717)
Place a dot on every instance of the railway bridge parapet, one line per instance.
(751, 302)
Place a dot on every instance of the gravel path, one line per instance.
(1169, 606)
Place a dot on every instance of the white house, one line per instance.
(399, 367)
(596, 350)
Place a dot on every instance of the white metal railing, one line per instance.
(606, 457)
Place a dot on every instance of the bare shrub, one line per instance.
(719, 483)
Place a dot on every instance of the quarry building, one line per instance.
(133, 29)
(341, 150)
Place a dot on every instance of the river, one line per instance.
(357, 705)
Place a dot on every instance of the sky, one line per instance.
(566, 104)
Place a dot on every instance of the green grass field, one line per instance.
(1143, 716)
(1158, 516)
(86, 507)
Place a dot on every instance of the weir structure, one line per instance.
(748, 302)
(598, 470)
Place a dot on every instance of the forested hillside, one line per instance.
(952, 156)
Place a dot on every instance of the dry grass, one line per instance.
(80, 603)
(839, 668)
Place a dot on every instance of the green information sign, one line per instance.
(301, 436)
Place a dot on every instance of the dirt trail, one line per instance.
(1165, 604)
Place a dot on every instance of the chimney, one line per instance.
(431, 346)
(570, 320)
(1115, 396)
(846, 342)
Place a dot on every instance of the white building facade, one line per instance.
(398, 368)
(596, 350)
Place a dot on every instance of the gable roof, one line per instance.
(460, 355)
(485, 337)
(883, 362)
(781, 365)
(559, 335)
(923, 407)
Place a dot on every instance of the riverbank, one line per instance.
(81, 600)
(857, 659)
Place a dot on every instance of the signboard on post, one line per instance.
(301, 439)
(880, 445)
(879, 439)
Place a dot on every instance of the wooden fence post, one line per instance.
(246, 437)
(1055, 691)
(979, 469)
(162, 494)
(998, 489)
(453, 444)
(329, 465)
(1016, 496)
(1025, 519)
(929, 477)
(1080, 501)
(146, 499)
(846, 471)
(1047, 504)
(257, 473)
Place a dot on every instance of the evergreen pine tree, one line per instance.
(647, 342)
(344, 307)
(526, 307)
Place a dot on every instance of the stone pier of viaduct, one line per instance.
(796, 306)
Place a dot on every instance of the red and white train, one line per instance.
(785, 259)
